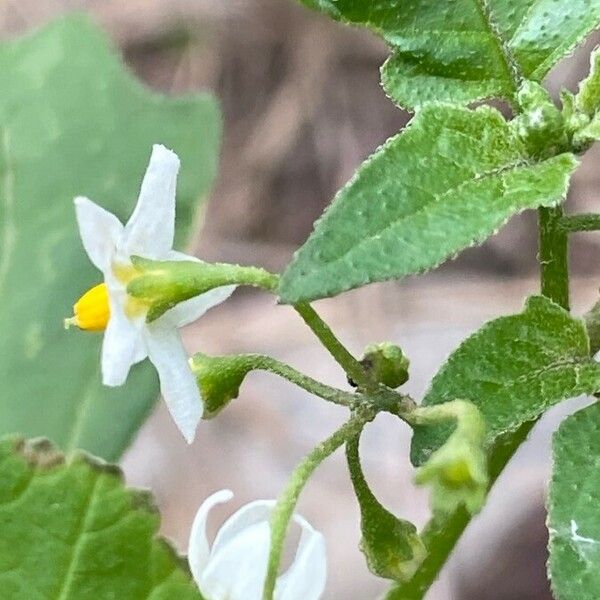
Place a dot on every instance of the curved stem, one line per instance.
(331, 394)
(286, 503)
(339, 352)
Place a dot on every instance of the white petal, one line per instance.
(190, 310)
(250, 514)
(306, 577)
(198, 550)
(237, 570)
(150, 230)
(177, 383)
(100, 231)
(121, 347)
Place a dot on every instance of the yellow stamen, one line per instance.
(92, 310)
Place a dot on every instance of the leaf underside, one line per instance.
(513, 369)
(467, 50)
(447, 182)
(72, 531)
(574, 497)
(74, 122)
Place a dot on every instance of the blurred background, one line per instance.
(302, 108)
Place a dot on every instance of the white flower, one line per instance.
(128, 339)
(235, 567)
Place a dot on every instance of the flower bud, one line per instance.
(386, 364)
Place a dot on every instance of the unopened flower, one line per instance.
(107, 307)
(235, 567)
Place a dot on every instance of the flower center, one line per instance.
(92, 311)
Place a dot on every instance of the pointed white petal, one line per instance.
(306, 577)
(100, 231)
(237, 570)
(248, 515)
(192, 309)
(121, 347)
(150, 230)
(198, 550)
(177, 383)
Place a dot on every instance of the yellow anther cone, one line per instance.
(92, 311)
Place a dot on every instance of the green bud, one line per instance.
(541, 125)
(219, 379)
(588, 97)
(386, 364)
(161, 285)
(457, 472)
(392, 547)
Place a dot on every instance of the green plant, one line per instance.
(448, 181)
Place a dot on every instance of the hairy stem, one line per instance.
(553, 256)
(583, 222)
(286, 503)
(339, 352)
(331, 394)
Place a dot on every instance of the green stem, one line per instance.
(284, 509)
(351, 366)
(583, 222)
(553, 256)
(331, 394)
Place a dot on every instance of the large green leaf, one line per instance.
(451, 179)
(465, 50)
(513, 369)
(75, 122)
(573, 508)
(72, 531)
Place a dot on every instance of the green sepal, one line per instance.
(457, 472)
(587, 99)
(385, 363)
(220, 377)
(161, 285)
(392, 547)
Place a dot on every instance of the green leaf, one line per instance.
(588, 97)
(573, 516)
(467, 50)
(513, 369)
(449, 181)
(74, 122)
(71, 530)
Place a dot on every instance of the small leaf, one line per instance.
(392, 547)
(71, 530)
(513, 369)
(467, 50)
(450, 180)
(588, 98)
(75, 122)
(573, 516)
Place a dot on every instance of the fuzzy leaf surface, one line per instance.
(447, 182)
(467, 50)
(573, 518)
(513, 369)
(75, 122)
(72, 531)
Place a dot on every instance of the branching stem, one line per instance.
(286, 503)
